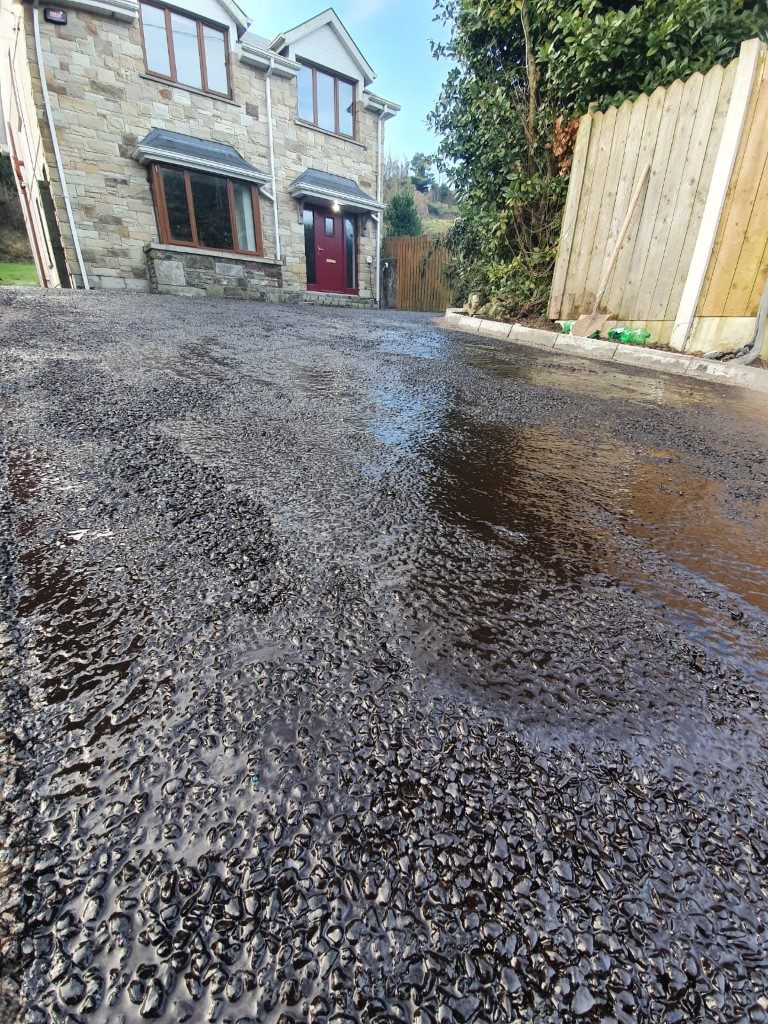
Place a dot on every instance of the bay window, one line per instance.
(185, 50)
(207, 211)
(326, 100)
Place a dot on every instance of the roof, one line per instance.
(255, 40)
(254, 50)
(239, 16)
(328, 17)
(314, 184)
(163, 146)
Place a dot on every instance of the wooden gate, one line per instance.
(420, 274)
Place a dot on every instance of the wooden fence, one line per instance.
(695, 259)
(420, 264)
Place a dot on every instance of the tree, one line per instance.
(524, 69)
(395, 174)
(443, 194)
(401, 216)
(421, 172)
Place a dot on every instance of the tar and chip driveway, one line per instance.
(359, 671)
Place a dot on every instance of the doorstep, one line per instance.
(610, 351)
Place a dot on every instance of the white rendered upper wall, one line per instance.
(324, 47)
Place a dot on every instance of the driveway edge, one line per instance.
(611, 351)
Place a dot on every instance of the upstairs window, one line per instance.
(326, 100)
(185, 50)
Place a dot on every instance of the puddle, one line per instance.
(527, 515)
(595, 379)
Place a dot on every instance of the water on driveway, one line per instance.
(372, 673)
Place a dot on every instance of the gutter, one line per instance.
(55, 142)
(335, 196)
(257, 57)
(270, 72)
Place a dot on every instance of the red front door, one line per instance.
(329, 252)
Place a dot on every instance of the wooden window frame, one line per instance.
(200, 24)
(163, 222)
(314, 68)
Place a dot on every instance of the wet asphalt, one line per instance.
(359, 671)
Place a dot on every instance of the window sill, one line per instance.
(189, 88)
(219, 254)
(332, 135)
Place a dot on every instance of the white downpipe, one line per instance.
(270, 71)
(56, 150)
(379, 194)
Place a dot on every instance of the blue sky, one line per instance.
(394, 36)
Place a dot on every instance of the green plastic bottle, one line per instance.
(635, 336)
(565, 326)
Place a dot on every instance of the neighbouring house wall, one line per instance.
(689, 134)
(103, 104)
(23, 138)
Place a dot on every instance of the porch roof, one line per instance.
(163, 146)
(332, 188)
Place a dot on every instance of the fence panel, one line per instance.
(421, 263)
(677, 130)
(737, 271)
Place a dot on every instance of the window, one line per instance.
(350, 252)
(185, 50)
(326, 100)
(309, 245)
(207, 211)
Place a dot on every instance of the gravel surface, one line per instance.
(354, 670)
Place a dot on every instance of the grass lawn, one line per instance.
(18, 273)
(430, 226)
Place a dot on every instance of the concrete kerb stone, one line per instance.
(595, 348)
(741, 376)
(670, 362)
(522, 335)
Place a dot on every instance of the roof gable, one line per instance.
(237, 14)
(332, 20)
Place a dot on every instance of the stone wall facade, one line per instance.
(172, 271)
(104, 102)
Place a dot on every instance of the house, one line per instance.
(167, 148)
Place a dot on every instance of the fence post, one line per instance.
(578, 167)
(389, 283)
(733, 130)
